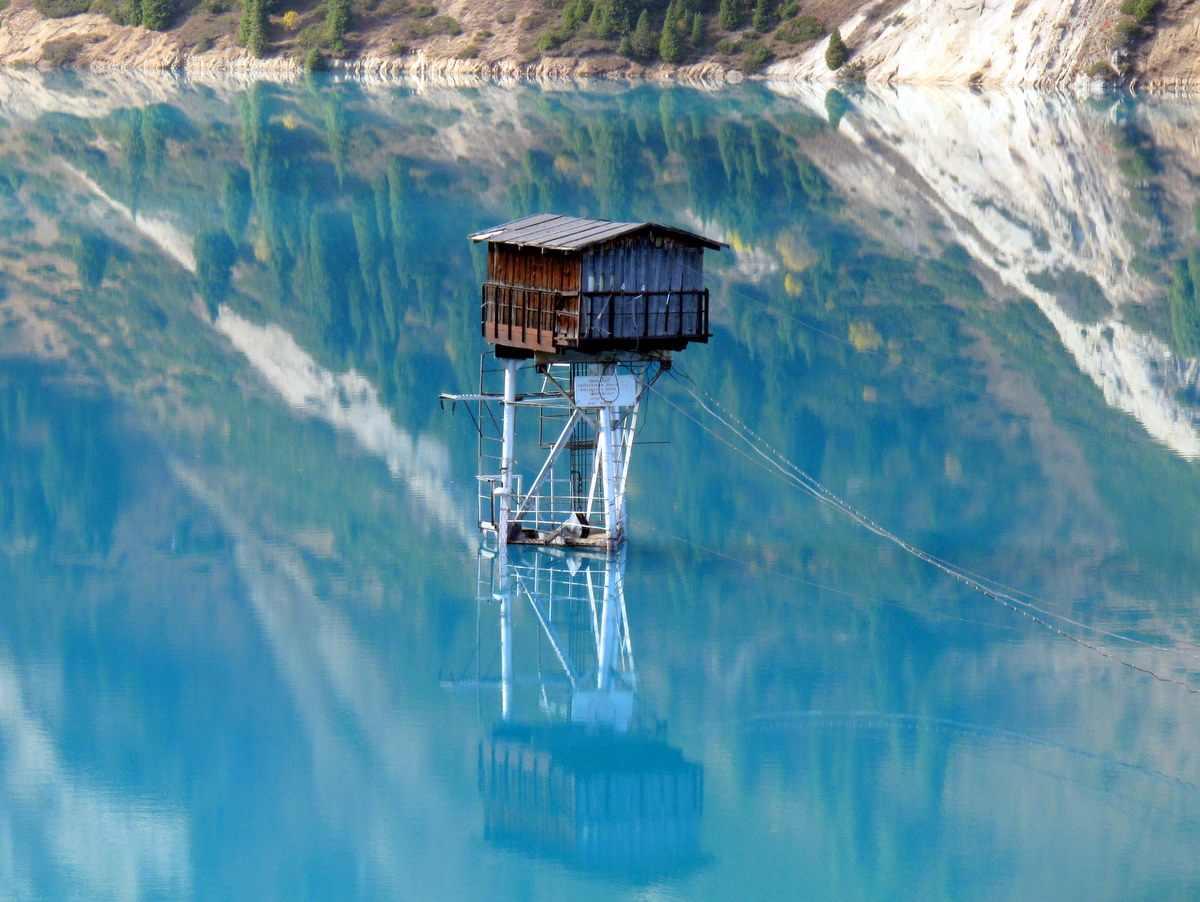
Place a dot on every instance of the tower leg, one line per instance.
(598, 431)
(612, 488)
(608, 646)
(505, 489)
(626, 433)
(506, 661)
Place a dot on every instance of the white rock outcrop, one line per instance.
(1010, 42)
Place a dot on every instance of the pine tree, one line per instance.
(257, 44)
(129, 12)
(674, 14)
(698, 30)
(601, 19)
(643, 37)
(670, 45)
(252, 31)
(836, 52)
(570, 14)
(621, 14)
(337, 20)
(243, 34)
(764, 16)
(730, 15)
(156, 14)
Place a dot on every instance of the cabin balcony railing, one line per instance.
(645, 315)
(532, 318)
(551, 321)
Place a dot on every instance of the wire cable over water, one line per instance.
(769, 458)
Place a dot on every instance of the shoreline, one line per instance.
(707, 76)
(92, 42)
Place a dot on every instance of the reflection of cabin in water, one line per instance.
(611, 803)
(557, 283)
(578, 768)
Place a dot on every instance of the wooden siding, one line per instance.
(533, 268)
(644, 288)
(642, 265)
(643, 291)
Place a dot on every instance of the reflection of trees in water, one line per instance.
(856, 358)
(215, 256)
(932, 456)
(1184, 299)
(350, 253)
(141, 136)
(677, 153)
(61, 480)
(90, 249)
(375, 273)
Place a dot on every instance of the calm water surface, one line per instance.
(248, 647)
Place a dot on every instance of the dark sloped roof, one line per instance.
(568, 233)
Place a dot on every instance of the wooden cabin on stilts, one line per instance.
(583, 315)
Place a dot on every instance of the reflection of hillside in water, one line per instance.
(107, 844)
(372, 754)
(883, 736)
(351, 404)
(137, 322)
(301, 723)
(327, 219)
(60, 495)
(353, 266)
(1043, 191)
(1038, 188)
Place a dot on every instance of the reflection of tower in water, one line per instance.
(577, 768)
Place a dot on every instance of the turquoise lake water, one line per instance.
(248, 644)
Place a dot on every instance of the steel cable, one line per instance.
(771, 459)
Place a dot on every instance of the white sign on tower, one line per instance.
(605, 390)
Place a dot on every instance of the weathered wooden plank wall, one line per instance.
(646, 288)
(669, 274)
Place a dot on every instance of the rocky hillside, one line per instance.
(1144, 43)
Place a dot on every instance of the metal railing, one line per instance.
(544, 319)
(530, 317)
(644, 315)
(567, 489)
(546, 510)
